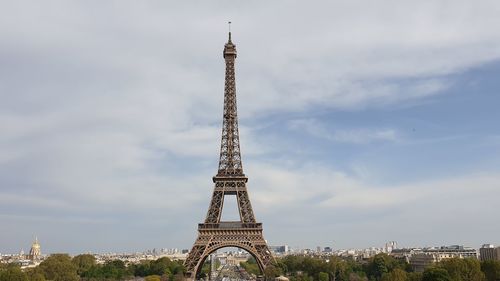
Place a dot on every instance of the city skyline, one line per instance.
(377, 123)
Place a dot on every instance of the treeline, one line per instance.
(61, 267)
(381, 267)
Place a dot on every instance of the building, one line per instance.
(282, 249)
(404, 254)
(428, 256)
(488, 252)
(35, 251)
(389, 246)
(419, 262)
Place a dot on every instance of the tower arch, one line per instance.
(218, 246)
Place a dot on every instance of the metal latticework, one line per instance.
(230, 157)
(214, 234)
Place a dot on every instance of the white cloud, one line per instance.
(364, 136)
(314, 200)
(297, 186)
(357, 136)
(116, 108)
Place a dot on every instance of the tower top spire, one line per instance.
(230, 157)
(229, 47)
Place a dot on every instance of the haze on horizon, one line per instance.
(360, 122)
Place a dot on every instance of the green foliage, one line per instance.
(58, 267)
(436, 274)
(116, 270)
(271, 272)
(414, 276)
(282, 266)
(310, 266)
(35, 274)
(13, 273)
(178, 277)
(205, 269)
(37, 277)
(356, 277)
(381, 264)
(463, 269)
(302, 277)
(491, 270)
(161, 267)
(83, 263)
(323, 276)
(337, 269)
(251, 266)
(113, 270)
(142, 269)
(395, 275)
(152, 278)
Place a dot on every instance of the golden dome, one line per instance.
(35, 251)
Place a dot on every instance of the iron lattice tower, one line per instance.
(246, 233)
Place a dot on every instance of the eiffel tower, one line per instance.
(246, 233)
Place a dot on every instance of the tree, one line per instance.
(178, 277)
(35, 274)
(463, 269)
(114, 269)
(37, 277)
(356, 277)
(142, 269)
(302, 277)
(414, 276)
(395, 275)
(271, 272)
(58, 267)
(251, 266)
(152, 278)
(381, 264)
(83, 263)
(282, 266)
(323, 276)
(491, 270)
(435, 274)
(336, 268)
(13, 273)
(160, 266)
(348, 269)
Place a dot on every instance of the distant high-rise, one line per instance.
(488, 252)
(391, 245)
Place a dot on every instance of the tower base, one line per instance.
(213, 236)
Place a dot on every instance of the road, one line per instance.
(229, 272)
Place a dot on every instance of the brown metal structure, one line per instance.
(214, 234)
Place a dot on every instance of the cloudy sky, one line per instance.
(361, 122)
